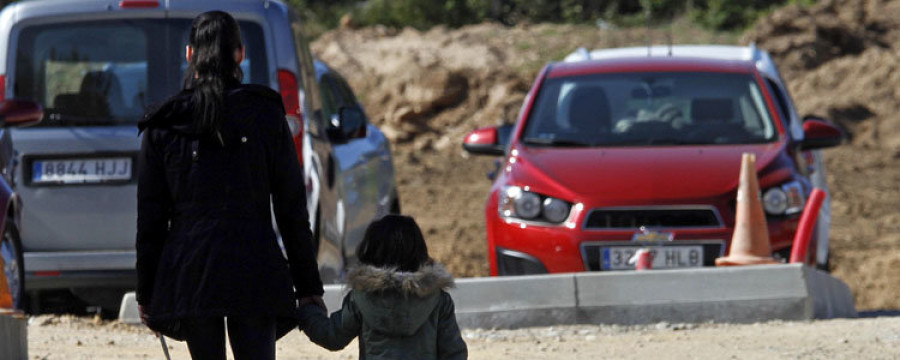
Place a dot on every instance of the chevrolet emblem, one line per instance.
(645, 235)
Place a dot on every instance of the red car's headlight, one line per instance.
(519, 203)
(785, 199)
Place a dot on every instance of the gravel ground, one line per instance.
(68, 337)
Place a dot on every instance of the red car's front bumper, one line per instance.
(517, 247)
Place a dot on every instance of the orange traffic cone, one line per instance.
(6, 300)
(750, 243)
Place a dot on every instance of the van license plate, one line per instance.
(79, 171)
(664, 257)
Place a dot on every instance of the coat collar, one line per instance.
(429, 279)
(177, 111)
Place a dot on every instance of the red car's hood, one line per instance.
(634, 175)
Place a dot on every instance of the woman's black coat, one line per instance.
(205, 242)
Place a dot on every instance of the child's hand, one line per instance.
(314, 299)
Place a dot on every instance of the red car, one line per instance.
(619, 149)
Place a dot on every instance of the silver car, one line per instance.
(350, 173)
(96, 66)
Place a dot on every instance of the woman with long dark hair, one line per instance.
(215, 159)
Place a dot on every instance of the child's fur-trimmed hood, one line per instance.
(429, 279)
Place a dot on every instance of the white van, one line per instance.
(95, 66)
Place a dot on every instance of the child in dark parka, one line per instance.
(396, 305)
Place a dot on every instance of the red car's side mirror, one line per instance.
(484, 141)
(19, 112)
(819, 134)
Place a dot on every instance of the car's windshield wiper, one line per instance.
(673, 141)
(554, 142)
(662, 141)
(71, 120)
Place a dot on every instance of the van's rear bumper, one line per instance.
(75, 269)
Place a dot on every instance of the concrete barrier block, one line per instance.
(515, 301)
(697, 285)
(334, 297)
(831, 297)
(13, 336)
(128, 311)
(736, 294)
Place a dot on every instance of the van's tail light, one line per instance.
(47, 273)
(290, 96)
(138, 4)
(2, 87)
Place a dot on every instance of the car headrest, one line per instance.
(91, 104)
(589, 108)
(712, 110)
(105, 84)
(99, 81)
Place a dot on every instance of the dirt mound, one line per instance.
(426, 90)
(840, 61)
(859, 93)
(802, 38)
(426, 86)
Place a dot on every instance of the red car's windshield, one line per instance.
(646, 109)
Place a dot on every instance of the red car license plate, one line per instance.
(664, 257)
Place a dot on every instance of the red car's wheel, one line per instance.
(13, 264)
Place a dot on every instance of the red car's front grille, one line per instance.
(653, 218)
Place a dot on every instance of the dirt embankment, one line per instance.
(426, 90)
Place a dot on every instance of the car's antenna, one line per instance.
(647, 15)
(669, 35)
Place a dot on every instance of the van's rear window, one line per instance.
(101, 73)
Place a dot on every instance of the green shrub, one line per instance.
(736, 14)
(423, 14)
(417, 13)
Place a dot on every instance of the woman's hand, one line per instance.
(314, 299)
(143, 313)
(144, 316)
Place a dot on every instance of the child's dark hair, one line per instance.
(394, 241)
